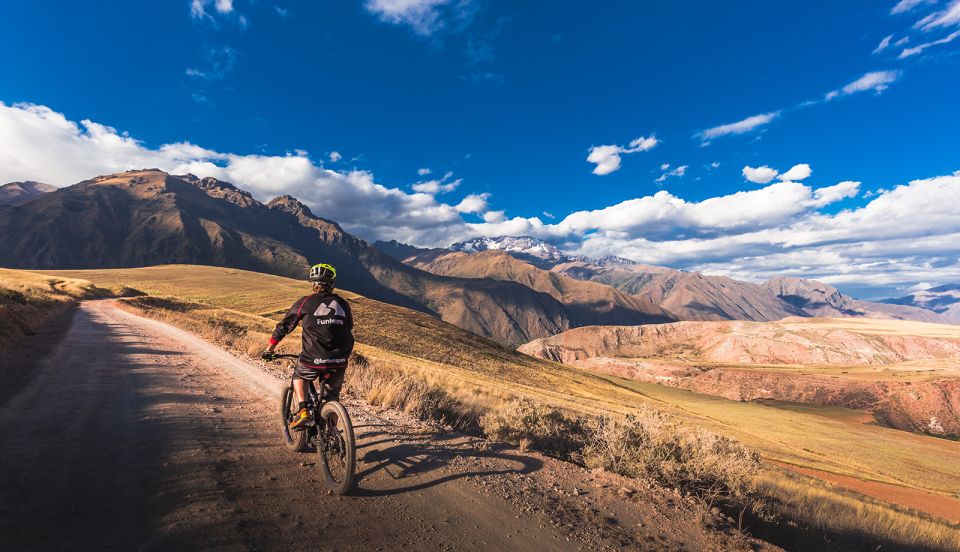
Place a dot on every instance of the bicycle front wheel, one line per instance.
(336, 446)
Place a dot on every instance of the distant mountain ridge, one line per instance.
(680, 295)
(944, 300)
(16, 193)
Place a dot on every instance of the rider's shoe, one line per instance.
(301, 420)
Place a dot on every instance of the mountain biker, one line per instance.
(327, 338)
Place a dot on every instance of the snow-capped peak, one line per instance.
(526, 245)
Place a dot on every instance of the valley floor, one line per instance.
(133, 434)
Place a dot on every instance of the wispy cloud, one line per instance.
(438, 185)
(948, 17)
(218, 62)
(907, 52)
(607, 158)
(743, 126)
(677, 172)
(423, 17)
(335, 156)
(883, 44)
(874, 81)
(904, 6)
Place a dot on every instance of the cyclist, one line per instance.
(327, 338)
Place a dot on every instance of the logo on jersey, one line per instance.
(325, 309)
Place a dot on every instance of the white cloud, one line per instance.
(797, 172)
(876, 81)
(549, 215)
(607, 158)
(760, 175)
(904, 6)
(903, 235)
(740, 127)
(335, 156)
(224, 6)
(676, 172)
(473, 203)
(948, 17)
(424, 17)
(883, 44)
(436, 186)
(907, 52)
(423, 172)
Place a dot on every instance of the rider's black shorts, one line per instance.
(311, 373)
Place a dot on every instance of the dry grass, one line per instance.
(653, 445)
(815, 515)
(29, 302)
(419, 364)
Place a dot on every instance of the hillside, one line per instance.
(588, 302)
(148, 217)
(904, 372)
(819, 299)
(943, 300)
(831, 442)
(16, 193)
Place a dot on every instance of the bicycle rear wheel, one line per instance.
(295, 440)
(336, 446)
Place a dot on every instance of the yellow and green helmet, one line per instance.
(323, 273)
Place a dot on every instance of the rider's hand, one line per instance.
(268, 355)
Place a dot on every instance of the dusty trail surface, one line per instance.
(136, 435)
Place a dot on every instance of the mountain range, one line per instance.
(676, 294)
(944, 300)
(510, 289)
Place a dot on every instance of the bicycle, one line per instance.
(329, 431)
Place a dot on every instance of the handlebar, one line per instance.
(276, 356)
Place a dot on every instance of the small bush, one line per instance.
(534, 425)
(394, 388)
(13, 295)
(650, 444)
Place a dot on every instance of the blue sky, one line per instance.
(345, 101)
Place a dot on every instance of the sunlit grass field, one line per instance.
(482, 373)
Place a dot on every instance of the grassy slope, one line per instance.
(822, 438)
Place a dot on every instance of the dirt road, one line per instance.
(136, 435)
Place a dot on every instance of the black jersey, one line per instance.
(327, 329)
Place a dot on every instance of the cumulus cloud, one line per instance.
(607, 158)
(907, 52)
(474, 203)
(760, 175)
(335, 156)
(900, 236)
(437, 186)
(423, 172)
(740, 127)
(797, 172)
(875, 81)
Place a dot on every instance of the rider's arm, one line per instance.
(349, 317)
(288, 324)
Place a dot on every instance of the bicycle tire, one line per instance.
(294, 440)
(340, 449)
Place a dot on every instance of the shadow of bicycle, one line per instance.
(430, 458)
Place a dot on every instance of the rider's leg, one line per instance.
(300, 390)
